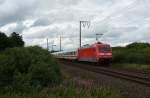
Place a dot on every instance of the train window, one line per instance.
(105, 49)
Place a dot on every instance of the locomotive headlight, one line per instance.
(105, 54)
(102, 53)
(108, 54)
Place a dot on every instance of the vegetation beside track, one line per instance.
(133, 56)
(68, 91)
(26, 69)
(138, 67)
(31, 72)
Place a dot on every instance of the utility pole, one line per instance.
(84, 23)
(80, 34)
(97, 36)
(47, 44)
(60, 42)
(52, 47)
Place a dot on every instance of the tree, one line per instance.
(138, 45)
(16, 40)
(3, 41)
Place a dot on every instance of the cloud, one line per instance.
(121, 21)
(15, 10)
(41, 22)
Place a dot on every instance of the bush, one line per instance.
(138, 53)
(138, 45)
(22, 69)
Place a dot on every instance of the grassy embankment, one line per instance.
(67, 92)
(133, 56)
(32, 72)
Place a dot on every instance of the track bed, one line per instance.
(127, 87)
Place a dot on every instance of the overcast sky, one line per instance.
(121, 21)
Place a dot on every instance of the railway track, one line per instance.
(134, 77)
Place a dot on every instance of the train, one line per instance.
(95, 53)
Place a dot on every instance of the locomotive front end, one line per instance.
(104, 53)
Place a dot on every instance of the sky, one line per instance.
(120, 21)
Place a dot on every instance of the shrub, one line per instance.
(138, 45)
(138, 53)
(24, 68)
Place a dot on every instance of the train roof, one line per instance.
(102, 44)
(64, 52)
(93, 45)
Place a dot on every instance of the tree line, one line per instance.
(14, 40)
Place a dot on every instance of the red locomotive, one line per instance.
(90, 53)
(95, 53)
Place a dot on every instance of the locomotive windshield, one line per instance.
(105, 49)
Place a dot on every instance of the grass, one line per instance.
(68, 91)
(140, 67)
